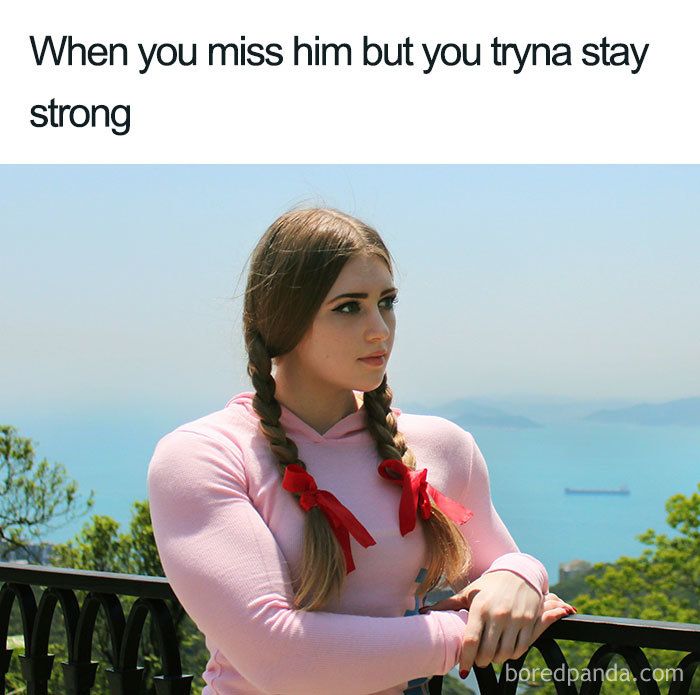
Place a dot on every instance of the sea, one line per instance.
(529, 470)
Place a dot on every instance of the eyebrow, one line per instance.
(361, 295)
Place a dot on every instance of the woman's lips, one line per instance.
(373, 361)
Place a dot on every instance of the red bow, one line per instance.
(416, 495)
(341, 519)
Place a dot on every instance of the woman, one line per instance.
(297, 525)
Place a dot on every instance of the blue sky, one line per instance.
(122, 283)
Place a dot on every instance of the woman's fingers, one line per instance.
(528, 634)
(551, 600)
(470, 641)
(486, 641)
(452, 603)
(463, 600)
(546, 619)
(525, 639)
(506, 645)
(490, 636)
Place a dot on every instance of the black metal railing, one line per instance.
(618, 637)
(104, 589)
(623, 637)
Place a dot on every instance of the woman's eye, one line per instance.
(391, 300)
(354, 307)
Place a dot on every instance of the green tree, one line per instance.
(35, 497)
(663, 583)
(101, 547)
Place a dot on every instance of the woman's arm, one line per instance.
(231, 577)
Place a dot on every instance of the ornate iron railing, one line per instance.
(105, 588)
(618, 636)
(622, 637)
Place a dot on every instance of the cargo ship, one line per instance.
(622, 490)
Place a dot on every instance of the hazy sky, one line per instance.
(121, 284)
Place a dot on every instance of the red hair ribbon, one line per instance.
(416, 495)
(341, 519)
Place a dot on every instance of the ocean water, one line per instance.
(529, 469)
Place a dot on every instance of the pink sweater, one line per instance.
(230, 541)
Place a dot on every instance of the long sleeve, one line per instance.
(230, 575)
(492, 546)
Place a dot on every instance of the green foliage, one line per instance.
(33, 496)
(100, 547)
(663, 583)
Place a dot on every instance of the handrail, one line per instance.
(87, 580)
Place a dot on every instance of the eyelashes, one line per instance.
(392, 301)
(355, 306)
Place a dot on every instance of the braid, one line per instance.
(382, 424)
(448, 552)
(266, 405)
(323, 567)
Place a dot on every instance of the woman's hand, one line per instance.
(506, 615)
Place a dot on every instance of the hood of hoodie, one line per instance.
(352, 424)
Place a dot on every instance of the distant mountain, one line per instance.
(685, 411)
(467, 413)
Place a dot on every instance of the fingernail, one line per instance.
(464, 673)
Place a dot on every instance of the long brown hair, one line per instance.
(292, 269)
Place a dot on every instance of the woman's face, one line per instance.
(349, 328)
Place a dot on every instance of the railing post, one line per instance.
(36, 671)
(173, 685)
(79, 677)
(5, 656)
(125, 682)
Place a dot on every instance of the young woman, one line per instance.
(301, 525)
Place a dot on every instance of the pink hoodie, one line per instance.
(230, 541)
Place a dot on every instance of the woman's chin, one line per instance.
(372, 385)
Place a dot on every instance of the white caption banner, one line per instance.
(453, 82)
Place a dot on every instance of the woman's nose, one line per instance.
(378, 326)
